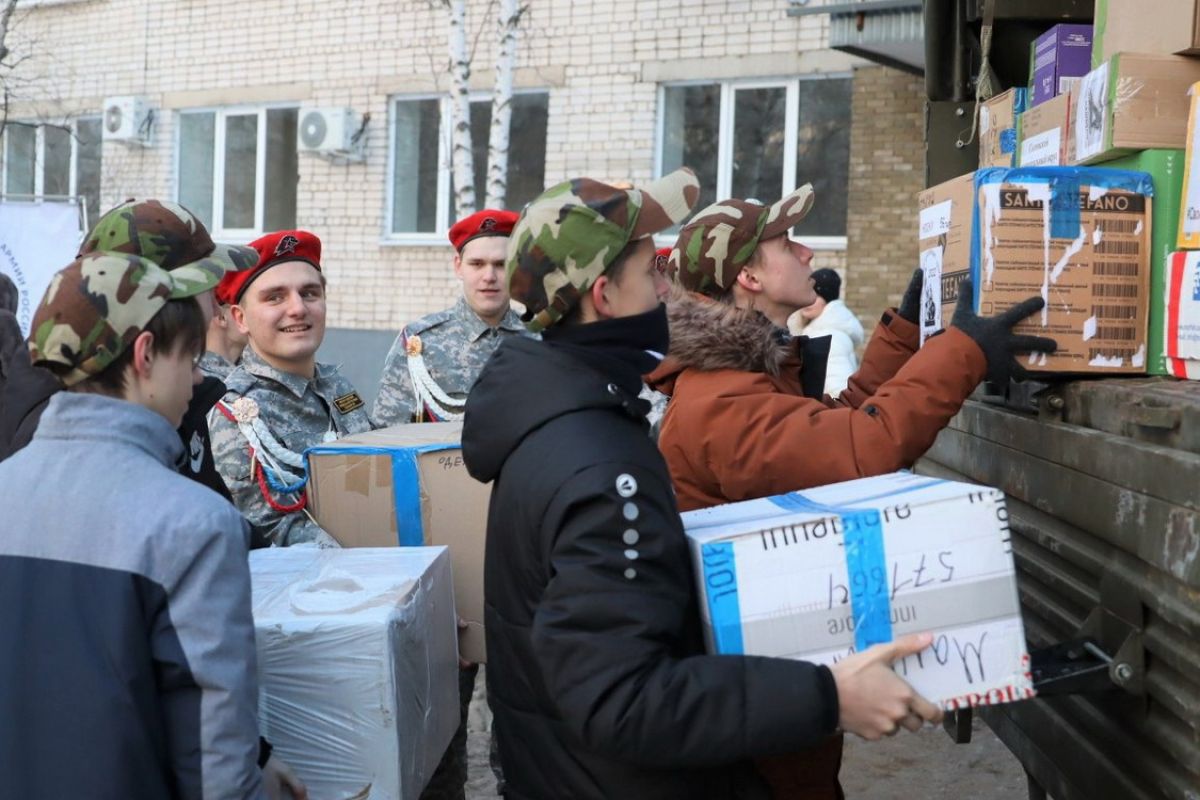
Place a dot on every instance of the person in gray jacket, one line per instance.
(128, 655)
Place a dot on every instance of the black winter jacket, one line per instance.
(596, 669)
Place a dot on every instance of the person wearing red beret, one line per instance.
(435, 360)
(223, 343)
(280, 401)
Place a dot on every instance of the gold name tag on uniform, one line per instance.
(348, 402)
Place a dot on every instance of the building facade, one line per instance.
(749, 97)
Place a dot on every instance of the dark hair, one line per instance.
(827, 284)
(614, 273)
(10, 296)
(179, 325)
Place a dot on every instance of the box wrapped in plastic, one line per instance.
(358, 666)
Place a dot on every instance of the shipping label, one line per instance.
(1042, 150)
(1091, 121)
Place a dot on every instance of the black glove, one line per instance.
(995, 337)
(910, 304)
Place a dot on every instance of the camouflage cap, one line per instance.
(165, 233)
(98, 304)
(568, 236)
(712, 249)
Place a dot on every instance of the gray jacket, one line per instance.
(127, 646)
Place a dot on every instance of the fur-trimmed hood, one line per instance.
(709, 335)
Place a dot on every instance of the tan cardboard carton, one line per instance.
(998, 128)
(1045, 139)
(944, 243)
(1189, 217)
(1133, 101)
(1080, 238)
(1145, 26)
(408, 485)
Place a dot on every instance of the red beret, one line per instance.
(489, 222)
(274, 248)
(661, 258)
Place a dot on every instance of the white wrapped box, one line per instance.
(815, 575)
(358, 666)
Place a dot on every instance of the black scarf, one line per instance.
(624, 349)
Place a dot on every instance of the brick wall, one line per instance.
(600, 61)
(887, 159)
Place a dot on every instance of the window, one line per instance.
(54, 161)
(238, 169)
(421, 193)
(761, 140)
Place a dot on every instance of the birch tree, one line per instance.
(462, 159)
(7, 7)
(508, 21)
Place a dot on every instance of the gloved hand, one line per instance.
(910, 303)
(995, 337)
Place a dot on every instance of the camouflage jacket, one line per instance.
(298, 413)
(214, 365)
(448, 350)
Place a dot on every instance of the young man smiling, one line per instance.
(435, 360)
(280, 400)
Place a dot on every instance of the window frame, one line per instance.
(39, 161)
(390, 238)
(725, 130)
(218, 230)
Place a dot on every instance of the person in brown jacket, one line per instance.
(748, 417)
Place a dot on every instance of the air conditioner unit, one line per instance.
(328, 131)
(128, 119)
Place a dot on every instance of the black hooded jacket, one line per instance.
(596, 669)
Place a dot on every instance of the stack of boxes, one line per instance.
(1088, 205)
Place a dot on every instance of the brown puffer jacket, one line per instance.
(739, 426)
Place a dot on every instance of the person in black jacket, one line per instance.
(596, 668)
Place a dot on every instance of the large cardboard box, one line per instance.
(1080, 238)
(1145, 26)
(998, 128)
(1189, 218)
(1183, 315)
(358, 675)
(819, 574)
(944, 244)
(1166, 171)
(1059, 54)
(408, 485)
(1044, 134)
(1133, 101)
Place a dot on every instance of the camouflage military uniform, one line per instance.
(298, 413)
(214, 365)
(446, 349)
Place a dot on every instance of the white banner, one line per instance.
(36, 241)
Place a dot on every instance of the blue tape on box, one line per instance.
(1064, 183)
(720, 581)
(1008, 140)
(866, 561)
(406, 483)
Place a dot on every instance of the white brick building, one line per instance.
(622, 89)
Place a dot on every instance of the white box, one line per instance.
(358, 665)
(926, 555)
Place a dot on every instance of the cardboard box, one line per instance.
(1145, 26)
(1183, 315)
(1189, 218)
(1080, 238)
(1045, 139)
(408, 485)
(1134, 101)
(1063, 52)
(819, 574)
(944, 243)
(1166, 171)
(998, 128)
(358, 673)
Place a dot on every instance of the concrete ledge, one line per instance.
(273, 93)
(759, 66)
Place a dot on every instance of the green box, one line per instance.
(1166, 168)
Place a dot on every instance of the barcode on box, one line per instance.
(1116, 333)
(1120, 226)
(1114, 312)
(1115, 289)
(1115, 267)
(1111, 352)
(1108, 247)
